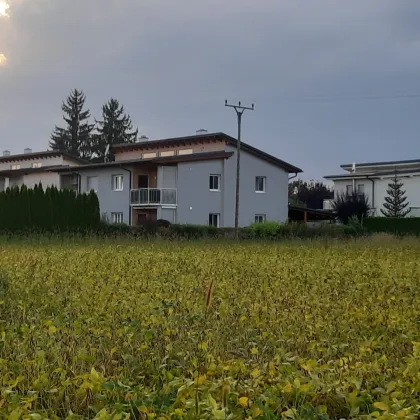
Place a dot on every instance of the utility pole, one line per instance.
(239, 112)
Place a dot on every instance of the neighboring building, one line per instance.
(32, 168)
(372, 179)
(188, 180)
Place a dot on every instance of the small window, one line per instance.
(117, 217)
(185, 152)
(167, 153)
(361, 189)
(92, 183)
(349, 190)
(14, 167)
(149, 155)
(260, 182)
(214, 182)
(117, 182)
(37, 165)
(260, 218)
(214, 219)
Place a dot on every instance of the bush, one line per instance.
(347, 206)
(397, 226)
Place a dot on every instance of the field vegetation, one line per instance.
(194, 330)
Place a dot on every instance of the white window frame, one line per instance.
(117, 185)
(360, 189)
(117, 217)
(37, 165)
(211, 222)
(215, 176)
(88, 187)
(264, 184)
(349, 187)
(260, 218)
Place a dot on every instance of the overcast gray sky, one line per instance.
(329, 78)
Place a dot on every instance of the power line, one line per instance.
(321, 98)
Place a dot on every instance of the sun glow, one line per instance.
(4, 7)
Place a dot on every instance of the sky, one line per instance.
(332, 81)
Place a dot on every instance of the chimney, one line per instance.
(6, 152)
(144, 138)
(27, 150)
(353, 168)
(201, 131)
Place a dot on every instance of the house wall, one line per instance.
(273, 203)
(110, 201)
(195, 200)
(150, 171)
(411, 186)
(197, 148)
(47, 179)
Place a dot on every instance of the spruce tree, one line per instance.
(75, 138)
(396, 202)
(114, 128)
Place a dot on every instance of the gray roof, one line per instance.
(218, 135)
(376, 174)
(221, 154)
(390, 162)
(38, 155)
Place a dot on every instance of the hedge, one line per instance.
(24, 210)
(397, 226)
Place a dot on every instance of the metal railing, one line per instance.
(153, 196)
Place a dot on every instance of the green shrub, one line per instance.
(397, 226)
(347, 206)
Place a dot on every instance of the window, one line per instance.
(349, 190)
(260, 218)
(37, 165)
(214, 219)
(167, 153)
(360, 189)
(214, 182)
(185, 152)
(92, 183)
(149, 155)
(260, 182)
(117, 217)
(14, 167)
(117, 182)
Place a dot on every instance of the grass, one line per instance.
(163, 330)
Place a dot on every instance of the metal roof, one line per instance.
(38, 155)
(384, 163)
(157, 160)
(211, 137)
(376, 174)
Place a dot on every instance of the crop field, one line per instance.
(298, 330)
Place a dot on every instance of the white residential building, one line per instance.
(373, 178)
(31, 168)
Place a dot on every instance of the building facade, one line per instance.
(372, 179)
(188, 180)
(31, 168)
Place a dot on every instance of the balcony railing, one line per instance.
(153, 197)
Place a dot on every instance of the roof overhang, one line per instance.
(203, 138)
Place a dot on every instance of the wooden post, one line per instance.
(305, 217)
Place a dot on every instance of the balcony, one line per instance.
(153, 197)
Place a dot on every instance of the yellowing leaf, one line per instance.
(201, 379)
(256, 411)
(288, 388)
(244, 401)
(304, 387)
(255, 373)
(381, 405)
(254, 350)
(402, 413)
